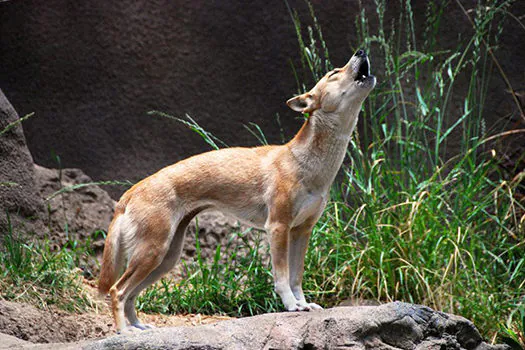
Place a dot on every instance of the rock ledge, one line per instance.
(390, 326)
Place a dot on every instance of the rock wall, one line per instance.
(91, 71)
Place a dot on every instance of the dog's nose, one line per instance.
(360, 53)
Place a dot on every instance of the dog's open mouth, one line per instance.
(363, 71)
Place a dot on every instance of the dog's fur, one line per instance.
(282, 189)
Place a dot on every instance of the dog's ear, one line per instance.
(305, 103)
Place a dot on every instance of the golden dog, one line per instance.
(283, 189)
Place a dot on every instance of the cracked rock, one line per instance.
(392, 326)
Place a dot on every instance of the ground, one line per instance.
(56, 326)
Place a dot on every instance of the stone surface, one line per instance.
(386, 327)
(83, 209)
(10, 342)
(23, 325)
(24, 188)
(17, 183)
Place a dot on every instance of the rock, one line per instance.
(10, 342)
(83, 210)
(214, 229)
(17, 184)
(24, 187)
(386, 327)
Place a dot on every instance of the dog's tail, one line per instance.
(113, 257)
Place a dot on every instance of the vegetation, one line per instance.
(39, 274)
(409, 220)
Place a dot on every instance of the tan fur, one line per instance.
(282, 189)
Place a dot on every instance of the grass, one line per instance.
(410, 218)
(244, 288)
(36, 273)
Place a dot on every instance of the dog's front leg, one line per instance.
(279, 249)
(299, 237)
(279, 241)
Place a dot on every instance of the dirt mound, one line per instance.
(50, 326)
(74, 213)
(28, 323)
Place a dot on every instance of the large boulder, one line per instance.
(18, 201)
(385, 327)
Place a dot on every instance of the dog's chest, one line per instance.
(308, 206)
(254, 216)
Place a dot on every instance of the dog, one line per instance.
(282, 189)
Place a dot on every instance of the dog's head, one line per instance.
(339, 90)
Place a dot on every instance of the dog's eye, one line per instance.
(332, 73)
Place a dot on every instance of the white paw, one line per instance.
(314, 306)
(143, 326)
(129, 330)
(302, 305)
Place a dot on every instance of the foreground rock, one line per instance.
(389, 326)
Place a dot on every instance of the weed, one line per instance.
(37, 274)
(15, 123)
(232, 284)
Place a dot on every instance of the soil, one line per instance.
(29, 323)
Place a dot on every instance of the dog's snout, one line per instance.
(360, 53)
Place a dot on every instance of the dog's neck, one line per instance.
(320, 146)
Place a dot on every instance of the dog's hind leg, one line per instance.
(171, 258)
(148, 248)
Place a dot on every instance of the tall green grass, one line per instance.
(236, 284)
(38, 274)
(415, 221)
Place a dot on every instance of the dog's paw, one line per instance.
(293, 308)
(129, 330)
(298, 307)
(314, 306)
(143, 326)
(301, 305)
